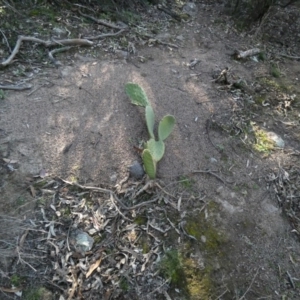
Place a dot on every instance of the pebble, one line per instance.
(136, 170)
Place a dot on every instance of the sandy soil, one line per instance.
(80, 125)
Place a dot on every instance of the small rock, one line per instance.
(59, 31)
(213, 160)
(203, 238)
(82, 241)
(113, 178)
(190, 8)
(136, 170)
(279, 142)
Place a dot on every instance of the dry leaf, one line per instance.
(93, 267)
(10, 161)
(32, 190)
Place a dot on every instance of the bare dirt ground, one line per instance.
(240, 210)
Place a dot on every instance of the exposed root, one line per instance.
(67, 42)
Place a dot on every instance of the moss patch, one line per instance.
(192, 276)
(263, 143)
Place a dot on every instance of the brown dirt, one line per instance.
(80, 125)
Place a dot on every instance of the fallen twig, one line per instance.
(223, 74)
(290, 56)
(167, 44)
(207, 127)
(243, 54)
(169, 12)
(213, 174)
(50, 53)
(290, 279)
(8, 46)
(248, 289)
(101, 36)
(67, 42)
(101, 21)
(16, 87)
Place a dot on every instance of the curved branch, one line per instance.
(68, 42)
(50, 53)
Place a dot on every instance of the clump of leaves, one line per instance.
(154, 148)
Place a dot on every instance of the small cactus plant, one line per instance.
(154, 149)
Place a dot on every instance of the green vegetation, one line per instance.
(171, 266)
(275, 71)
(124, 285)
(39, 293)
(277, 86)
(261, 56)
(263, 143)
(194, 277)
(2, 94)
(186, 182)
(154, 149)
(16, 280)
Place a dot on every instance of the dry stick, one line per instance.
(134, 206)
(50, 53)
(12, 8)
(167, 44)
(101, 21)
(8, 46)
(67, 42)
(97, 37)
(250, 285)
(290, 279)
(93, 188)
(16, 87)
(219, 297)
(207, 127)
(290, 56)
(211, 173)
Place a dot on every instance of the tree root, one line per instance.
(68, 42)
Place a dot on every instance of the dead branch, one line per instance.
(169, 12)
(290, 56)
(16, 87)
(223, 74)
(101, 36)
(68, 42)
(101, 21)
(57, 63)
(167, 44)
(243, 54)
(4, 36)
(12, 8)
(254, 277)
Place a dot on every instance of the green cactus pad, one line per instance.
(136, 94)
(156, 148)
(165, 127)
(149, 164)
(150, 119)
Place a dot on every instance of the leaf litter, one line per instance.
(100, 243)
